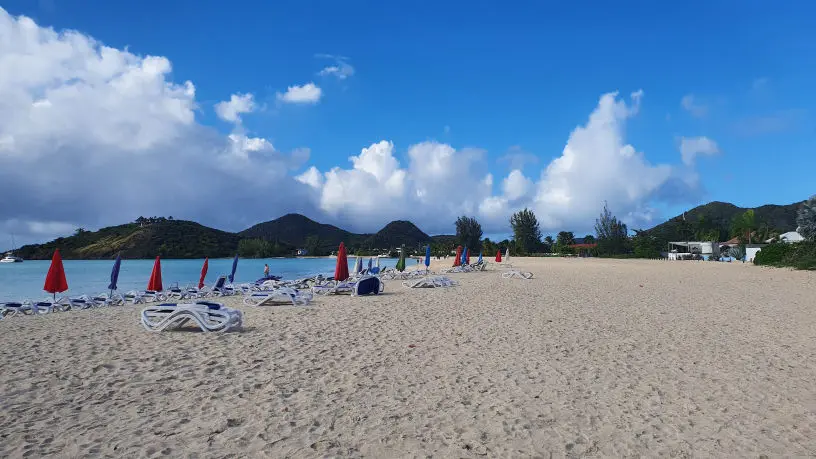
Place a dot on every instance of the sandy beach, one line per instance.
(592, 357)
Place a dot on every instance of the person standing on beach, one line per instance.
(266, 270)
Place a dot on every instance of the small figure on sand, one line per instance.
(266, 270)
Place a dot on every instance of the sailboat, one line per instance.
(10, 258)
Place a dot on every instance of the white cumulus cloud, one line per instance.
(341, 68)
(309, 93)
(691, 147)
(231, 110)
(93, 135)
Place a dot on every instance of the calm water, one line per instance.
(25, 280)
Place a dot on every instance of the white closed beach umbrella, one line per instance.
(507, 254)
(358, 264)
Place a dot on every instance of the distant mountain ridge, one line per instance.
(720, 215)
(185, 239)
(165, 238)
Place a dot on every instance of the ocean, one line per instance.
(25, 280)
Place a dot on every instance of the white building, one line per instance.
(706, 249)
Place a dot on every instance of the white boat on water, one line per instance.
(10, 258)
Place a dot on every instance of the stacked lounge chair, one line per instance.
(210, 317)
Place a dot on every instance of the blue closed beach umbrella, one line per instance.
(370, 263)
(464, 256)
(115, 273)
(427, 256)
(480, 257)
(234, 268)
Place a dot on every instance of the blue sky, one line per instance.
(495, 78)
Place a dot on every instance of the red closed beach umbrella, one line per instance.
(55, 281)
(204, 272)
(458, 260)
(341, 271)
(498, 256)
(155, 283)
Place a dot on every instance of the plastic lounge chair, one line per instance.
(282, 295)
(334, 287)
(208, 316)
(82, 302)
(49, 305)
(430, 282)
(13, 308)
(176, 293)
(134, 297)
(515, 274)
(104, 299)
(221, 288)
(368, 285)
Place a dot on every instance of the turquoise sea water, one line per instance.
(25, 280)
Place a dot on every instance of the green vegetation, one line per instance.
(299, 231)
(806, 219)
(259, 248)
(715, 221)
(613, 236)
(469, 233)
(396, 234)
(164, 237)
(644, 245)
(526, 232)
(563, 242)
(800, 255)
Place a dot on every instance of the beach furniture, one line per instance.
(430, 282)
(221, 287)
(278, 296)
(13, 308)
(105, 299)
(350, 285)
(209, 316)
(133, 297)
(368, 285)
(51, 305)
(81, 302)
(515, 274)
(334, 287)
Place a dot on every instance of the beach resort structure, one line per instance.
(688, 249)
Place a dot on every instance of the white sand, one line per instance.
(595, 357)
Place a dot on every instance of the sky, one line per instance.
(359, 113)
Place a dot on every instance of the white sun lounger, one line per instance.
(13, 308)
(105, 299)
(209, 316)
(282, 295)
(515, 274)
(430, 282)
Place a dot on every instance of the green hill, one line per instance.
(302, 232)
(397, 233)
(716, 217)
(166, 238)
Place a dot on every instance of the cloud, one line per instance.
(92, 135)
(138, 149)
(691, 147)
(438, 180)
(341, 68)
(517, 158)
(232, 109)
(309, 93)
(694, 106)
